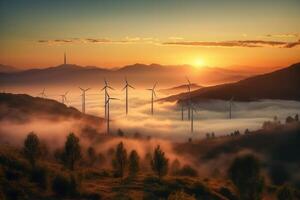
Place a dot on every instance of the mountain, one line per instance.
(138, 74)
(281, 84)
(180, 88)
(7, 69)
(22, 108)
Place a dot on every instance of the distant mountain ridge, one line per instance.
(137, 73)
(180, 88)
(281, 84)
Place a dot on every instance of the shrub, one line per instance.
(187, 170)
(120, 160)
(159, 163)
(245, 174)
(31, 148)
(180, 195)
(175, 167)
(63, 185)
(285, 193)
(39, 175)
(91, 155)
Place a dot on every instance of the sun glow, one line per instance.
(198, 63)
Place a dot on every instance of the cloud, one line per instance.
(237, 43)
(287, 35)
(175, 38)
(126, 40)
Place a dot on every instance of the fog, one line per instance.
(166, 123)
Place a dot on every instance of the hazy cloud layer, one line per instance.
(237, 43)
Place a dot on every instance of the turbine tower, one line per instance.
(106, 86)
(107, 103)
(65, 58)
(42, 94)
(193, 109)
(189, 101)
(153, 94)
(230, 107)
(64, 97)
(126, 89)
(83, 98)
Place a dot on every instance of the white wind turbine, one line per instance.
(64, 97)
(105, 88)
(107, 103)
(231, 104)
(193, 109)
(83, 98)
(189, 101)
(42, 94)
(153, 94)
(126, 88)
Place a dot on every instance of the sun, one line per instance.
(198, 63)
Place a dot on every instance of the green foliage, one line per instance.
(31, 148)
(120, 160)
(285, 193)
(134, 163)
(245, 174)
(159, 162)
(180, 195)
(72, 151)
(63, 185)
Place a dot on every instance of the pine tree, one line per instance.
(31, 148)
(159, 162)
(134, 163)
(245, 174)
(120, 160)
(72, 151)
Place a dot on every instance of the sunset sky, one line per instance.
(115, 33)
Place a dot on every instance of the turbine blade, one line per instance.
(124, 87)
(110, 88)
(154, 85)
(154, 93)
(131, 86)
(188, 80)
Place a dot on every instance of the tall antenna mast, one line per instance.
(65, 58)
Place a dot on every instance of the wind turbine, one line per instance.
(192, 117)
(152, 96)
(107, 104)
(106, 86)
(64, 97)
(83, 98)
(126, 88)
(189, 91)
(230, 107)
(42, 94)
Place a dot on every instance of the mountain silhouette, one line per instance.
(281, 84)
(139, 74)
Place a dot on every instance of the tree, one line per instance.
(245, 174)
(91, 155)
(134, 163)
(297, 118)
(120, 133)
(285, 193)
(31, 148)
(72, 151)
(120, 160)
(159, 163)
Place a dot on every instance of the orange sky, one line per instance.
(108, 34)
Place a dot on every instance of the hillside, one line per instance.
(180, 88)
(21, 108)
(281, 84)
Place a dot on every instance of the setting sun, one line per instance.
(198, 63)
